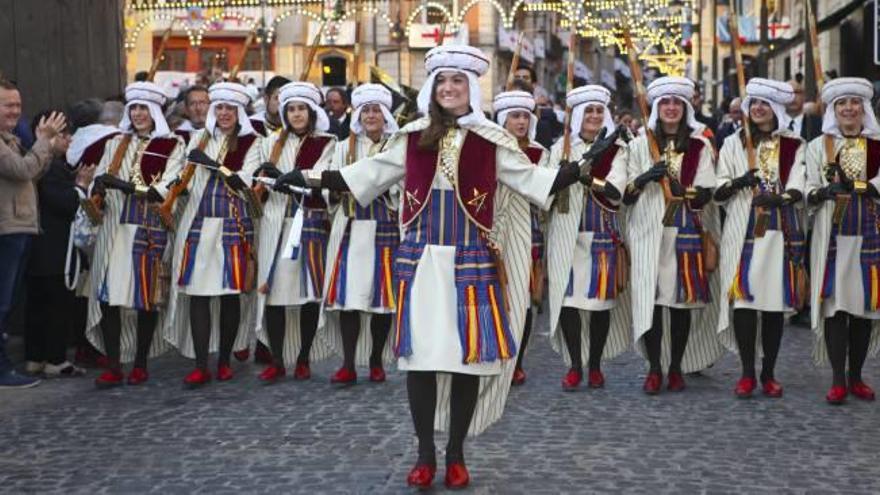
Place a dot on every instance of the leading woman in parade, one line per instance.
(843, 185)
(463, 262)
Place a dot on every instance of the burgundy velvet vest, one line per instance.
(787, 150)
(93, 152)
(690, 163)
(309, 152)
(155, 158)
(235, 159)
(476, 179)
(600, 170)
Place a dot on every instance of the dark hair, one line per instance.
(522, 85)
(193, 89)
(681, 136)
(532, 74)
(313, 118)
(7, 84)
(342, 94)
(275, 84)
(85, 112)
(757, 134)
(141, 76)
(440, 122)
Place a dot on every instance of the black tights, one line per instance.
(600, 322)
(276, 328)
(421, 387)
(200, 321)
(527, 332)
(844, 334)
(680, 329)
(745, 328)
(350, 326)
(111, 329)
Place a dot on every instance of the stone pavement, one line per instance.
(306, 437)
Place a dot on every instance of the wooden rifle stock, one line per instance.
(157, 59)
(514, 64)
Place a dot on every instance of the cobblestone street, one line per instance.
(306, 437)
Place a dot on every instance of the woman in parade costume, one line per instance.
(457, 320)
(211, 305)
(671, 285)
(584, 245)
(128, 275)
(762, 247)
(292, 273)
(515, 111)
(842, 185)
(360, 284)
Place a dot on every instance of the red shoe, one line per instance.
(421, 476)
(675, 382)
(745, 386)
(241, 356)
(771, 388)
(595, 379)
(837, 395)
(572, 380)
(138, 376)
(302, 371)
(197, 378)
(377, 374)
(272, 374)
(653, 383)
(457, 476)
(110, 378)
(344, 376)
(519, 377)
(262, 355)
(861, 390)
(224, 372)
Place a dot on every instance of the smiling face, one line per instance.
(517, 123)
(594, 117)
(227, 117)
(10, 108)
(850, 113)
(761, 114)
(141, 119)
(451, 91)
(372, 119)
(670, 110)
(297, 114)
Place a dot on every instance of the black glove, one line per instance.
(654, 174)
(568, 174)
(768, 200)
(829, 192)
(676, 188)
(268, 169)
(234, 182)
(600, 145)
(292, 178)
(113, 182)
(703, 196)
(872, 192)
(748, 179)
(153, 195)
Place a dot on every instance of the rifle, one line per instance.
(160, 52)
(514, 64)
(562, 196)
(304, 75)
(233, 74)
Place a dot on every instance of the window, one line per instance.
(213, 57)
(174, 59)
(333, 71)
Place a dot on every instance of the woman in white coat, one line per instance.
(843, 184)
(762, 247)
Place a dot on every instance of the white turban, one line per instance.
(845, 87)
(464, 59)
(308, 93)
(368, 94)
(677, 87)
(153, 97)
(580, 98)
(777, 94)
(229, 93)
(510, 101)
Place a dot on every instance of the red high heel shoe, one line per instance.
(272, 374)
(197, 378)
(110, 378)
(572, 379)
(745, 386)
(861, 390)
(457, 476)
(377, 374)
(224, 373)
(595, 379)
(138, 376)
(344, 376)
(421, 476)
(675, 382)
(771, 388)
(302, 371)
(837, 395)
(519, 377)
(653, 383)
